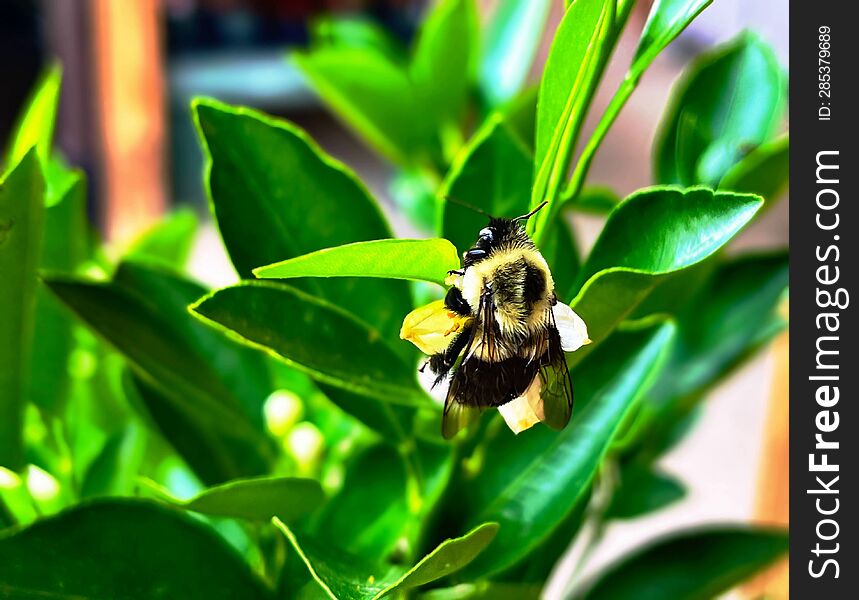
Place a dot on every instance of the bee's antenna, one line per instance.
(525, 217)
(468, 206)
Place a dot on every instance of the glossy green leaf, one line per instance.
(565, 78)
(493, 174)
(122, 549)
(643, 490)
(537, 566)
(168, 242)
(277, 195)
(36, 123)
(392, 492)
(693, 565)
(374, 96)
(726, 320)
(510, 43)
(765, 171)
(314, 336)
(344, 576)
(531, 485)
(22, 214)
(653, 233)
(418, 260)
(65, 247)
(258, 499)
(576, 60)
(730, 100)
(443, 60)
(204, 385)
(667, 19)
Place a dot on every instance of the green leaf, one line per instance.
(764, 171)
(122, 549)
(653, 233)
(357, 32)
(692, 565)
(114, 470)
(65, 247)
(730, 100)
(315, 337)
(277, 195)
(576, 60)
(729, 317)
(168, 242)
(565, 78)
(493, 174)
(257, 499)
(375, 97)
(510, 43)
(36, 124)
(532, 484)
(562, 253)
(642, 490)
(443, 60)
(486, 590)
(391, 493)
(667, 19)
(22, 213)
(418, 260)
(199, 383)
(596, 199)
(392, 422)
(343, 576)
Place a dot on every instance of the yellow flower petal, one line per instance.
(432, 327)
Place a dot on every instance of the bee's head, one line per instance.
(499, 233)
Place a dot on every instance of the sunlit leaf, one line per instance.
(510, 43)
(667, 19)
(344, 576)
(36, 124)
(418, 260)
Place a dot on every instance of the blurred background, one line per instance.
(132, 66)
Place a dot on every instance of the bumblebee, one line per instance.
(498, 338)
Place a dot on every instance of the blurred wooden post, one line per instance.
(773, 481)
(130, 107)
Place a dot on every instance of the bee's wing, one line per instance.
(459, 409)
(556, 391)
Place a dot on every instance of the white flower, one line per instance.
(574, 332)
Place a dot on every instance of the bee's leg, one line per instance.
(456, 303)
(459, 272)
